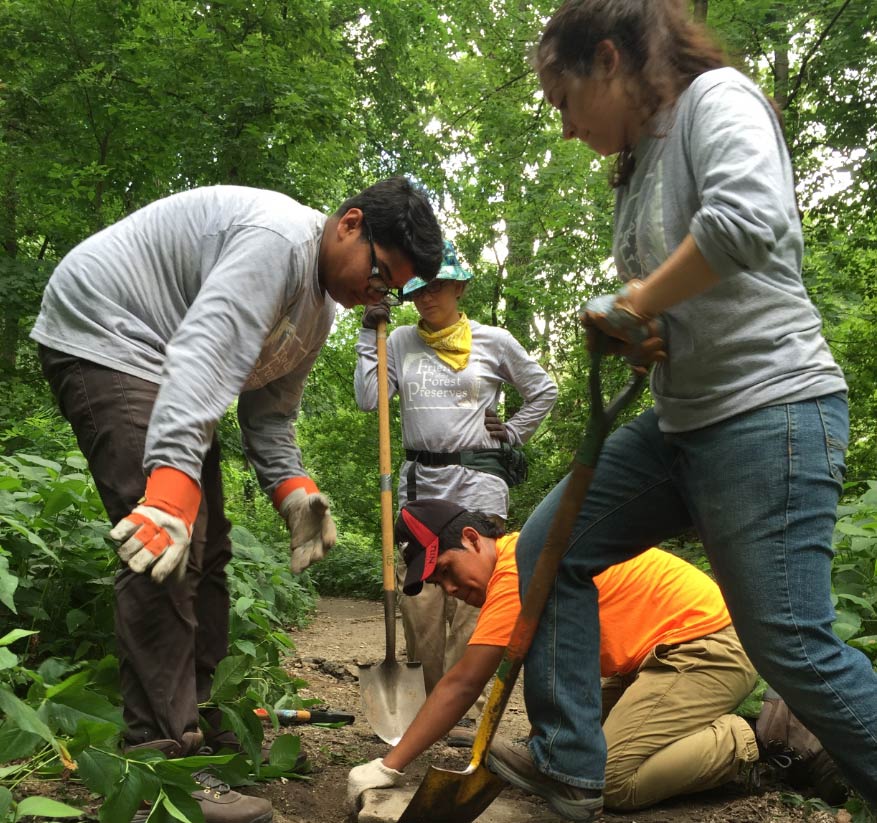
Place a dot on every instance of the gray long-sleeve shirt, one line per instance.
(721, 173)
(213, 294)
(442, 410)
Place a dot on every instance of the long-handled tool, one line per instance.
(459, 797)
(392, 693)
(295, 717)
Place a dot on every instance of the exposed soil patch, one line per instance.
(347, 632)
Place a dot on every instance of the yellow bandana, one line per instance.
(452, 344)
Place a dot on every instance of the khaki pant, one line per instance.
(437, 629)
(667, 726)
(169, 636)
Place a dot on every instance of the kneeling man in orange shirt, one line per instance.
(672, 665)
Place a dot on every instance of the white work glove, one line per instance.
(312, 531)
(155, 537)
(373, 775)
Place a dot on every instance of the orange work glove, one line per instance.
(312, 530)
(155, 537)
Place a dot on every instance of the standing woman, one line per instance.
(448, 372)
(747, 436)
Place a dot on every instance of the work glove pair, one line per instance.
(637, 337)
(156, 536)
(372, 775)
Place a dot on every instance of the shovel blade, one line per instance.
(392, 694)
(452, 797)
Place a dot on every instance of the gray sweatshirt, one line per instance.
(213, 294)
(442, 410)
(721, 172)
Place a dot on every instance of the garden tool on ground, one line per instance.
(295, 717)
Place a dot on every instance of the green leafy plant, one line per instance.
(56, 569)
(59, 696)
(854, 571)
(352, 568)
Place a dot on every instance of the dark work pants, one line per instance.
(170, 636)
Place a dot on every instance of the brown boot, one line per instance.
(512, 761)
(191, 743)
(462, 736)
(795, 754)
(222, 804)
(219, 802)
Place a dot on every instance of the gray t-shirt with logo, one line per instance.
(721, 172)
(213, 294)
(442, 410)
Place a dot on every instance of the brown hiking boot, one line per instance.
(795, 754)
(514, 764)
(191, 743)
(219, 802)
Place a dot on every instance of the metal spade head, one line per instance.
(392, 694)
(453, 797)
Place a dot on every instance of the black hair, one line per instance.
(398, 215)
(451, 536)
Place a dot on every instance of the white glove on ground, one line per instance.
(312, 531)
(373, 775)
(153, 540)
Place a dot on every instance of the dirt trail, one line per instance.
(346, 632)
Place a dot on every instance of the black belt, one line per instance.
(426, 459)
(433, 458)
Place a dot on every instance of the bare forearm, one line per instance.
(683, 275)
(443, 708)
(452, 697)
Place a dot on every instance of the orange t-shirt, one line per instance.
(654, 598)
(502, 603)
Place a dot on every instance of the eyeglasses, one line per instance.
(376, 281)
(433, 287)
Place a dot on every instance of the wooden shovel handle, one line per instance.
(386, 480)
(556, 543)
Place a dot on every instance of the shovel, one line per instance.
(392, 693)
(459, 797)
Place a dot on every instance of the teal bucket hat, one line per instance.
(450, 270)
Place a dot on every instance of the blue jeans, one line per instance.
(761, 489)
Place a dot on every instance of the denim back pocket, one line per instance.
(835, 422)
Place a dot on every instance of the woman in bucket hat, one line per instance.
(449, 372)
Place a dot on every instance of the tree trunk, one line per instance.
(781, 77)
(518, 310)
(701, 9)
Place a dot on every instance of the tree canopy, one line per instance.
(106, 105)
